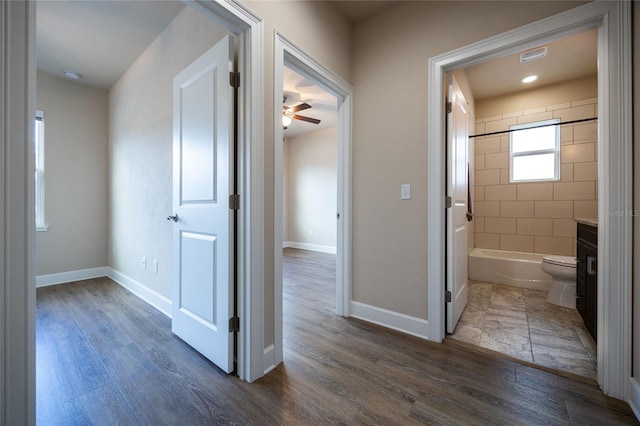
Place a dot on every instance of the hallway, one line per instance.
(106, 357)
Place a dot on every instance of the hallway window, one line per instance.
(39, 147)
(534, 151)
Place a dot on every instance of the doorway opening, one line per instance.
(239, 26)
(519, 219)
(614, 188)
(295, 73)
(309, 196)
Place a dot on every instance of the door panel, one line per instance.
(203, 245)
(197, 272)
(457, 181)
(198, 146)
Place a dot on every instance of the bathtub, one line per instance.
(509, 267)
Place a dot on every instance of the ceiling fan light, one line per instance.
(71, 75)
(286, 121)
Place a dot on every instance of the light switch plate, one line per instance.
(405, 191)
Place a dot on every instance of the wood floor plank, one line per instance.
(106, 357)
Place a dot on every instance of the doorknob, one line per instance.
(173, 218)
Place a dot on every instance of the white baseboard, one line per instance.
(156, 300)
(634, 398)
(307, 246)
(394, 320)
(71, 276)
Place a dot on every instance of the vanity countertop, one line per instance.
(587, 221)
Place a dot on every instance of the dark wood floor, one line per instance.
(106, 357)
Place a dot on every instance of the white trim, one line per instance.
(249, 28)
(307, 246)
(17, 213)
(286, 52)
(70, 276)
(615, 192)
(269, 353)
(404, 323)
(634, 396)
(153, 298)
(614, 187)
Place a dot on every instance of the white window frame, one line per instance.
(39, 173)
(555, 150)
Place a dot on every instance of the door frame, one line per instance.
(613, 19)
(17, 219)
(249, 29)
(287, 53)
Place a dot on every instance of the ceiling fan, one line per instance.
(289, 113)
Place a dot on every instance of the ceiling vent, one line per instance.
(533, 54)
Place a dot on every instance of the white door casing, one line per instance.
(203, 243)
(457, 181)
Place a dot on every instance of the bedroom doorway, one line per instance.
(288, 56)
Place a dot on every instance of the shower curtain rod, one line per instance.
(533, 127)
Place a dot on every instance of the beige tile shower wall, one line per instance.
(536, 217)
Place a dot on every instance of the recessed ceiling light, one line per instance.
(71, 75)
(530, 79)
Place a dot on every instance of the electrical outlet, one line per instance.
(155, 265)
(144, 262)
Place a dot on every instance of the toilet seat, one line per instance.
(564, 261)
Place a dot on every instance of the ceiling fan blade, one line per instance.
(307, 119)
(300, 107)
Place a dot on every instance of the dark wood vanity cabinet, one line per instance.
(587, 276)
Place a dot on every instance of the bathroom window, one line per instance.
(534, 151)
(39, 148)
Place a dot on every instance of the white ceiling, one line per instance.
(300, 89)
(567, 59)
(97, 39)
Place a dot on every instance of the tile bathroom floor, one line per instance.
(522, 324)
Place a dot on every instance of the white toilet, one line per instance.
(563, 288)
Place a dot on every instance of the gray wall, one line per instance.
(389, 72)
(310, 165)
(140, 150)
(76, 168)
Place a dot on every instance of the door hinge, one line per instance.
(234, 201)
(449, 107)
(234, 79)
(447, 296)
(234, 324)
(447, 202)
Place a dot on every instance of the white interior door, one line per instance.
(457, 170)
(203, 244)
